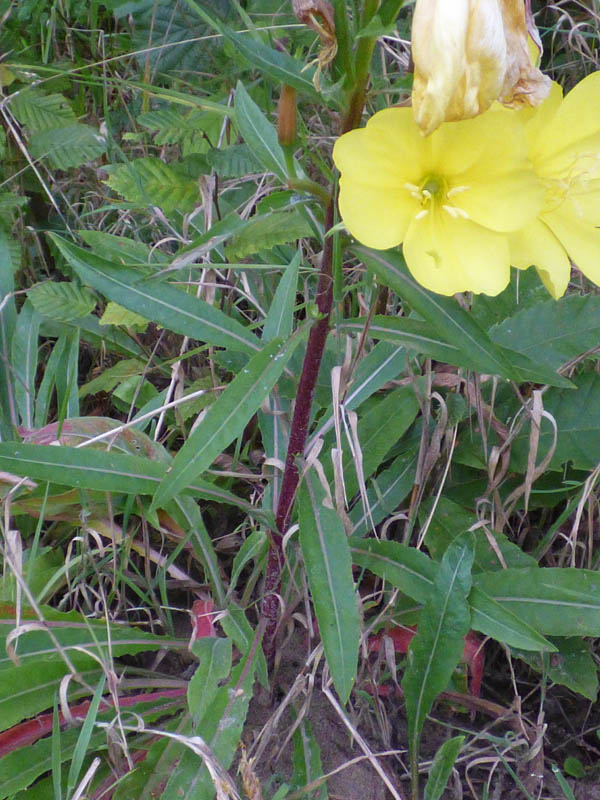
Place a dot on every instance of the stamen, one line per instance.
(456, 190)
(416, 195)
(455, 212)
(422, 214)
(426, 193)
(411, 187)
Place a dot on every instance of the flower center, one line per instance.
(433, 193)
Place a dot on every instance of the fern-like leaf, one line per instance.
(150, 182)
(41, 112)
(70, 146)
(62, 301)
(267, 231)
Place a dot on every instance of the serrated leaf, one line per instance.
(151, 182)
(235, 161)
(193, 130)
(227, 417)
(41, 112)
(71, 146)
(263, 233)
(438, 646)
(112, 376)
(555, 331)
(62, 301)
(164, 304)
(114, 314)
(328, 564)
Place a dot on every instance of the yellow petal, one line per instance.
(537, 245)
(503, 203)
(376, 216)
(576, 119)
(489, 145)
(580, 239)
(448, 255)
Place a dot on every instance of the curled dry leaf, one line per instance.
(318, 15)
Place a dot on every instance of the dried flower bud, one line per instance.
(318, 15)
(286, 117)
(469, 53)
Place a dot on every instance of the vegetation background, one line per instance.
(160, 258)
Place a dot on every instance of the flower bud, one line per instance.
(286, 117)
(467, 54)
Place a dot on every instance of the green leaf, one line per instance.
(496, 620)
(165, 305)
(25, 361)
(385, 494)
(572, 665)
(235, 161)
(577, 416)
(441, 768)
(67, 147)
(266, 232)
(450, 520)
(277, 64)
(41, 112)
(411, 333)
(255, 547)
(62, 301)
(227, 417)
(306, 759)
(111, 377)
(151, 182)
(378, 431)
(414, 574)
(328, 564)
(29, 688)
(214, 665)
(438, 646)
(555, 601)
(455, 325)
(259, 134)
(553, 332)
(280, 319)
(89, 468)
(114, 314)
(83, 740)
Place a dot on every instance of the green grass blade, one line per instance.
(258, 133)
(83, 741)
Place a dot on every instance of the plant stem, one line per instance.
(312, 362)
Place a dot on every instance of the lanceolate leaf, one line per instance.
(170, 307)
(24, 361)
(555, 331)
(438, 646)
(555, 601)
(280, 319)
(258, 133)
(414, 574)
(227, 417)
(457, 327)
(328, 564)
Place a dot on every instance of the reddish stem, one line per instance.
(298, 433)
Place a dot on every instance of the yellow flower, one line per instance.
(449, 198)
(467, 54)
(563, 140)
